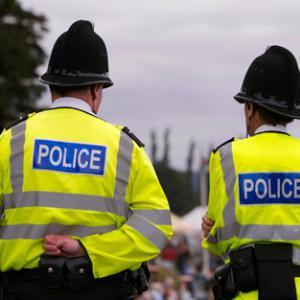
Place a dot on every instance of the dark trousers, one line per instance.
(30, 289)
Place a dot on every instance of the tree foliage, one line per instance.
(166, 154)
(180, 187)
(153, 146)
(20, 56)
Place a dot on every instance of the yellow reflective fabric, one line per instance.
(144, 192)
(237, 225)
(67, 124)
(99, 210)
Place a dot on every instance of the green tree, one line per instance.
(166, 154)
(177, 185)
(20, 56)
(192, 186)
(190, 158)
(153, 146)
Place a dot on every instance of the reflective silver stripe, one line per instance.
(32, 231)
(150, 232)
(123, 166)
(70, 201)
(231, 226)
(270, 232)
(17, 156)
(258, 232)
(158, 217)
(116, 205)
(253, 231)
(229, 179)
(296, 256)
(212, 239)
(1, 206)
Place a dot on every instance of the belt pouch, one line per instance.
(224, 286)
(51, 269)
(242, 262)
(274, 272)
(142, 279)
(79, 273)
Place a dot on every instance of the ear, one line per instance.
(94, 89)
(249, 109)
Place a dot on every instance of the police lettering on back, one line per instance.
(269, 188)
(69, 157)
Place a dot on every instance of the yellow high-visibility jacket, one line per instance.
(255, 195)
(64, 171)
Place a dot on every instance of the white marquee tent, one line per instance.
(193, 218)
(179, 226)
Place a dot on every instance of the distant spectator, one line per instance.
(185, 291)
(200, 284)
(170, 292)
(183, 257)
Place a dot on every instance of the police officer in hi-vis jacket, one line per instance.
(82, 206)
(253, 218)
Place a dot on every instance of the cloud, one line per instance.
(178, 63)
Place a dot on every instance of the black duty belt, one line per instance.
(267, 268)
(35, 274)
(75, 273)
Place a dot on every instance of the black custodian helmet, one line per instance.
(272, 81)
(78, 58)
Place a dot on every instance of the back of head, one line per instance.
(272, 82)
(78, 58)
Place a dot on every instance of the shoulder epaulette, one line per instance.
(16, 122)
(133, 136)
(223, 144)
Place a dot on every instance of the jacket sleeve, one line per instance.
(146, 230)
(1, 174)
(217, 195)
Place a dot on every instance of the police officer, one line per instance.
(82, 206)
(253, 219)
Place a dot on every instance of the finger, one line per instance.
(55, 239)
(53, 253)
(49, 247)
(207, 221)
(50, 239)
(206, 231)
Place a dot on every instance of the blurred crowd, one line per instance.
(180, 272)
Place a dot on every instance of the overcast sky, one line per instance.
(178, 63)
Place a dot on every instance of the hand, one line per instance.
(206, 225)
(61, 245)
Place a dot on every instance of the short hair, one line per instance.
(271, 117)
(65, 90)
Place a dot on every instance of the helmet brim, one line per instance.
(56, 80)
(280, 108)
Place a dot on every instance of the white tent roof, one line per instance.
(193, 218)
(179, 226)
